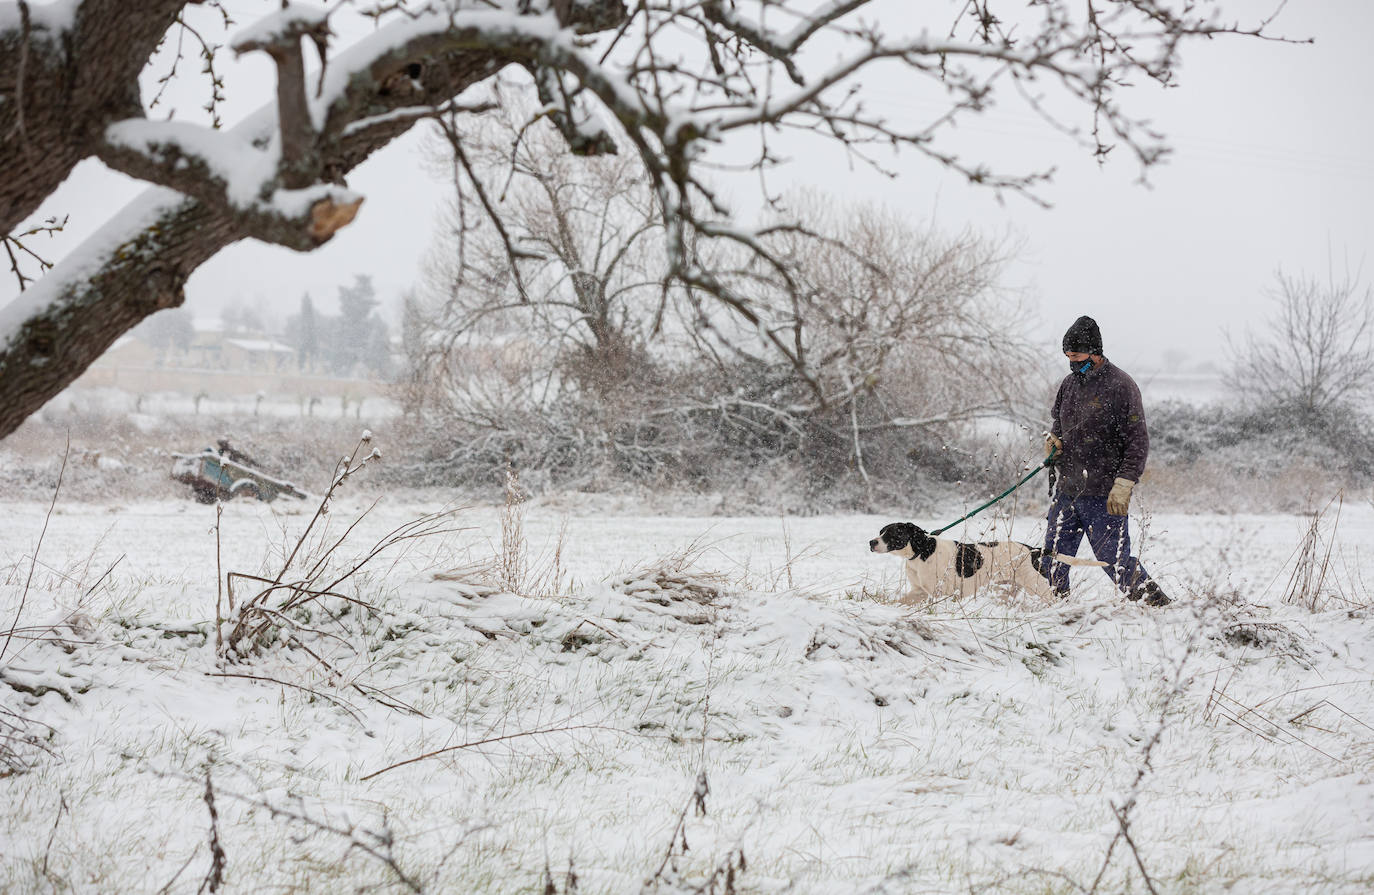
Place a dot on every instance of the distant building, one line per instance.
(206, 351)
(233, 366)
(255, 355)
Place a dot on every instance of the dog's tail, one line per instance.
(1075, 561)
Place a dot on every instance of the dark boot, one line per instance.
(1154, 596)
(1150, 592)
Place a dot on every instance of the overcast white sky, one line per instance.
(1272, 167)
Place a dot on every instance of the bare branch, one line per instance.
(280, 37)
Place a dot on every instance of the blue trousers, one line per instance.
(1069, 519)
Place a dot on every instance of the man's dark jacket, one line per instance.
(1099, 417)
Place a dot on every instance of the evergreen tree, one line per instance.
(355, 325)
(303, 332)
(378, 354)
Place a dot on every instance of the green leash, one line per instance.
(1030, 475)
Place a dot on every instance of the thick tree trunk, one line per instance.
(59, 93)
(63, 324)
(146, 275)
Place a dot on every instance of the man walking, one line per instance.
(1100, 443)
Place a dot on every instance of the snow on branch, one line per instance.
(214, 164)
(279, 35)
(291, 23)
(225, 170)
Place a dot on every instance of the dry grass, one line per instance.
(512, 568)
(1309, 584)
(305, 601)
(1215, 486)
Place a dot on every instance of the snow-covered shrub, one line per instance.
(733, 431)
(1227, 457)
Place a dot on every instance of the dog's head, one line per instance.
(903, 538)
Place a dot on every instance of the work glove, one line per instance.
(1053, 448)
(1119, 500)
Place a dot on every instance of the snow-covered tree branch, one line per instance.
(670, 79)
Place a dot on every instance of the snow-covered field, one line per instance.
(674, 704)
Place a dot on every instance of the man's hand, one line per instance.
(1053, 447)
(1119, 500)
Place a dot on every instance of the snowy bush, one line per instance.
(1276, 457)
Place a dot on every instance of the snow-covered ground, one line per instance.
(673, 698)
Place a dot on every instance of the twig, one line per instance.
(375, 844)
(370, 692)
(90, 590)
(13, 241)
(39, 546)
(167, 887)
(215, 879)
(61, 809)
(1139, 863)
(482, 742)
(1124, 810)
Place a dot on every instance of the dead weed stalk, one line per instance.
(1308, 585)
(377, 844)
(667, 878)
(511, 569)
(278, 608)
(23, 597)
(1121, 812)
(218, 860)
(22, 739)
(513, 561)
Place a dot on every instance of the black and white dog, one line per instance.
(938, 569)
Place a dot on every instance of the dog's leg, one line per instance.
(912, 595)
(919, 590)
(1027, 576)
(1029, 579)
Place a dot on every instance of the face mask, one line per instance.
(1080, 366)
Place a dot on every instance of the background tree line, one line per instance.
(354, 342)
(668, 84)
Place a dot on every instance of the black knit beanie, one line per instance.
(1083, 336)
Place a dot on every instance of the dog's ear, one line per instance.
(896, 535)
(922, 544)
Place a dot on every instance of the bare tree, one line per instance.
(672, 77)
(1317, 353)
(905, 329)
(880, 304)
(578, 258)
